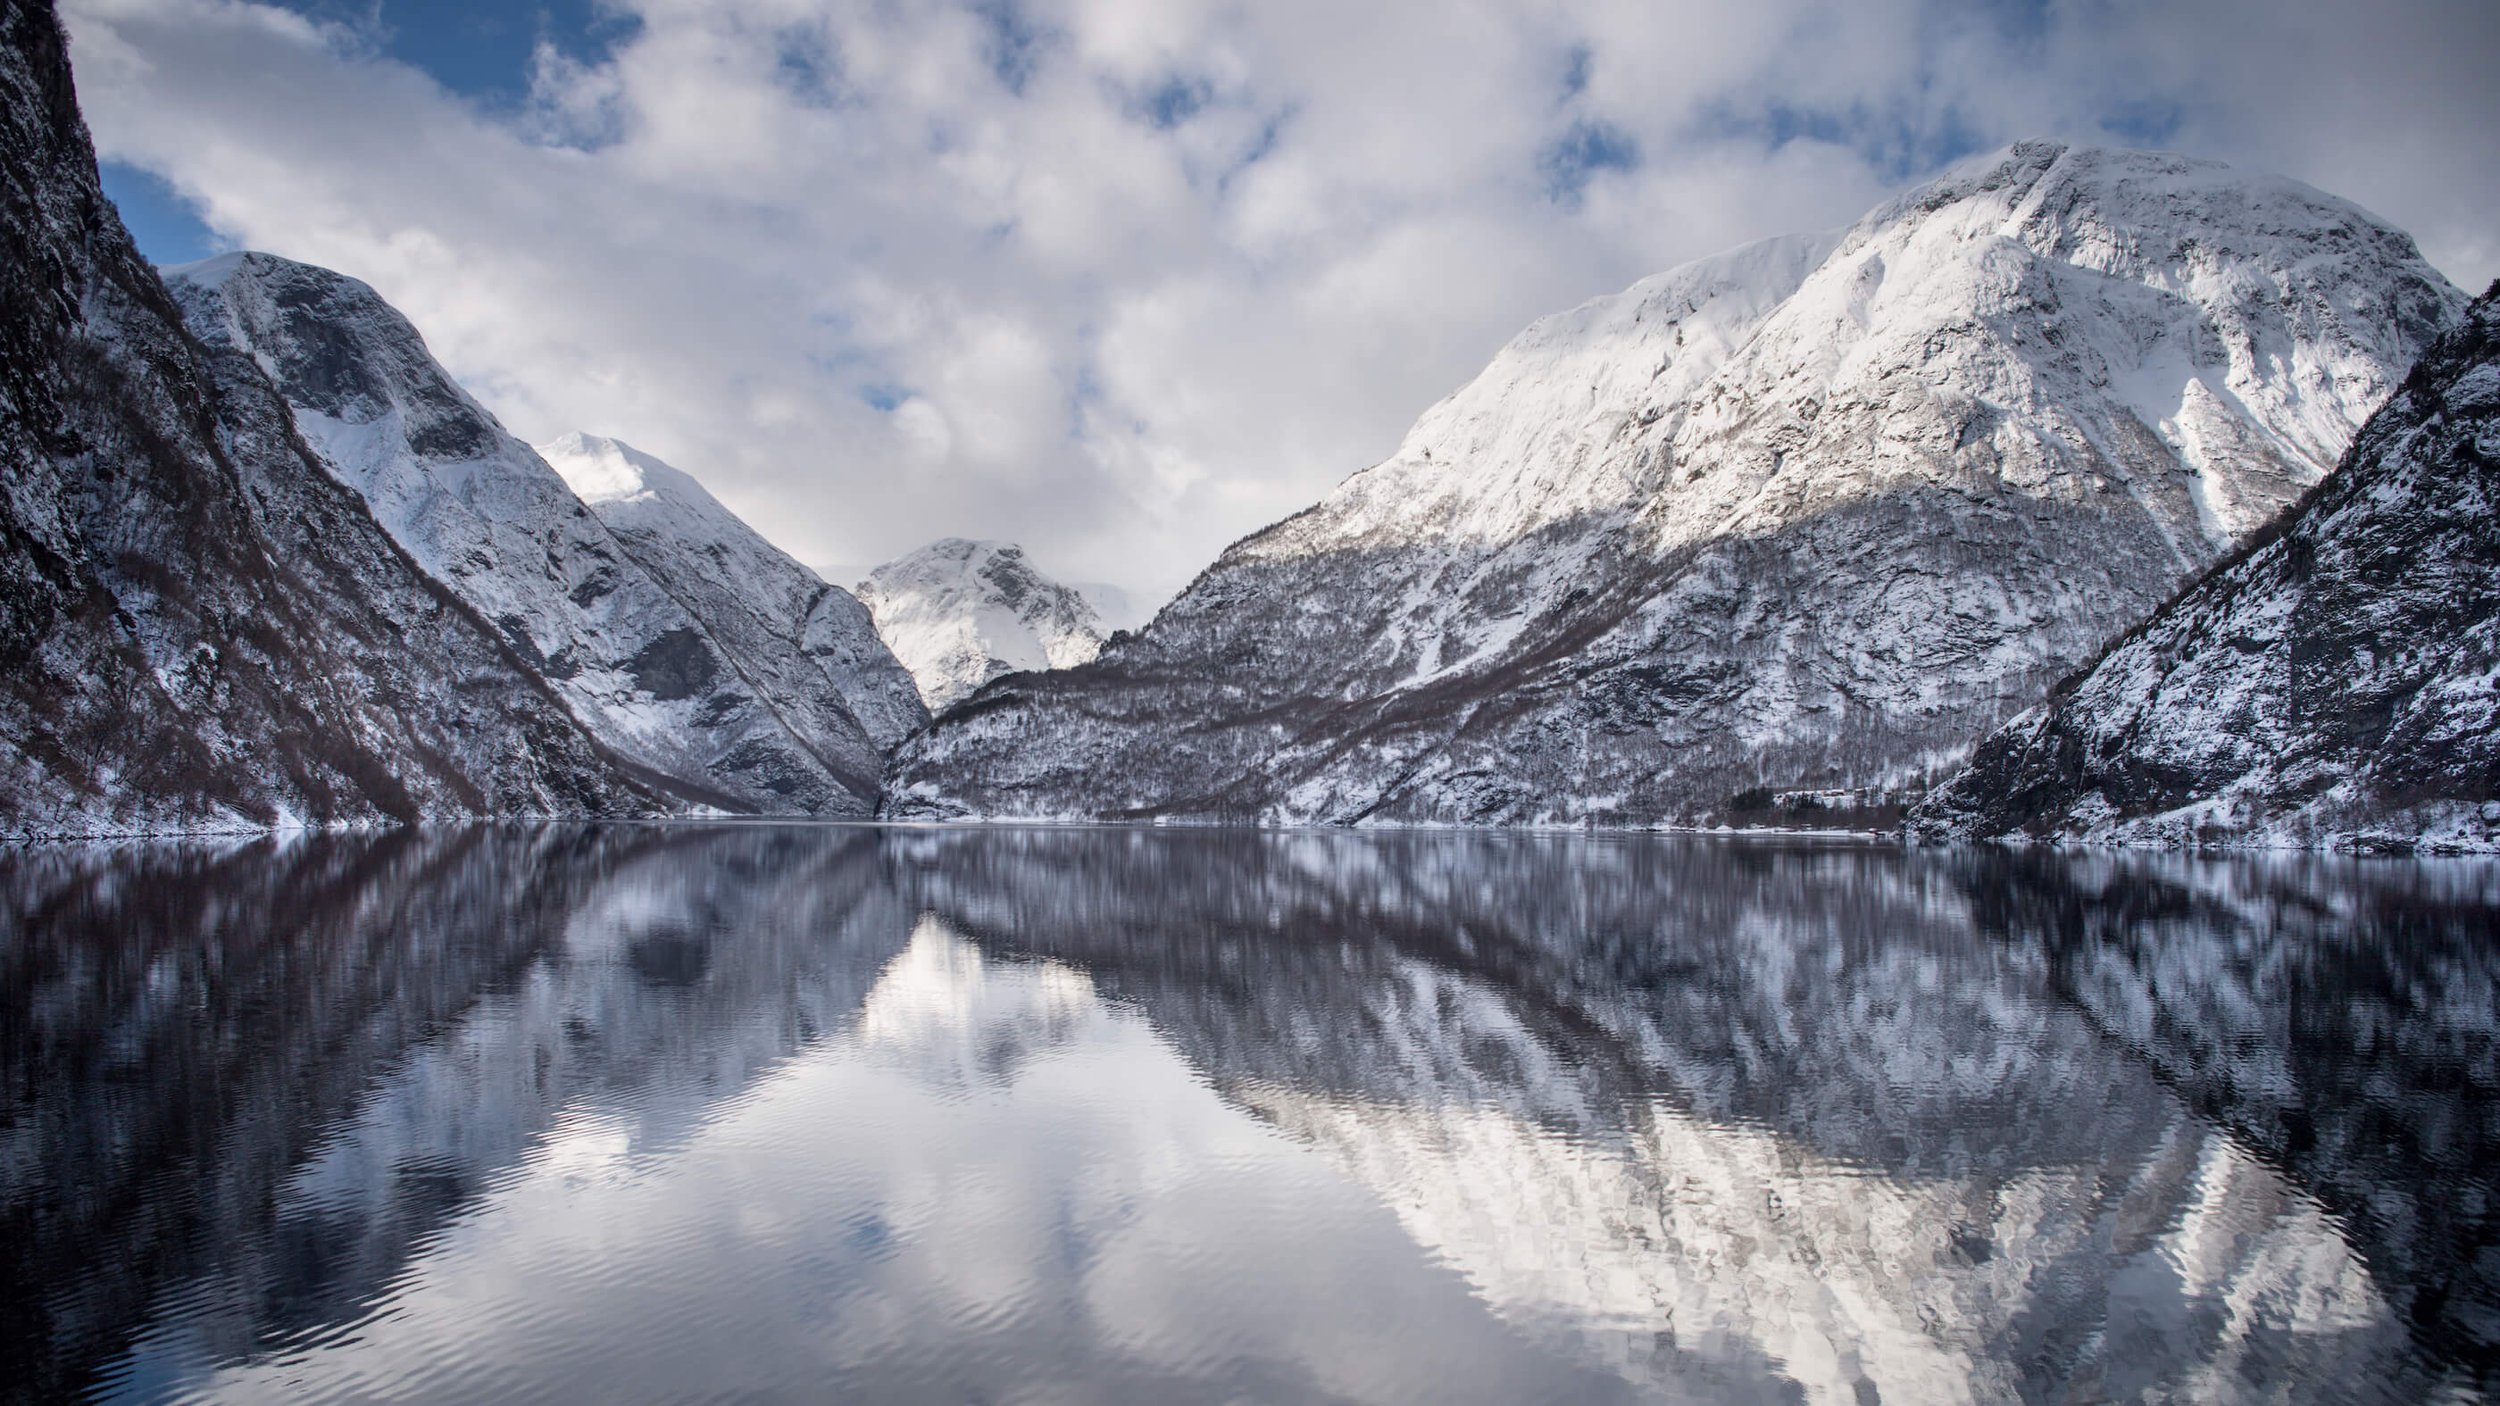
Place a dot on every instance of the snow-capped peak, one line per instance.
(960, 612)
(1806, 516)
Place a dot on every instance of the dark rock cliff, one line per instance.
(198, 627)
(2337, 684)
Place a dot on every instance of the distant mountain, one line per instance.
(809, 648)
(637, 658)
(1807, 517)
(2339, 684)
(199, 627)
(959, 613)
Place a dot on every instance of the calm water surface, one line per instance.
(833, 1113)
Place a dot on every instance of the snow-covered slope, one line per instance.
(199, 628)
(959, 613)
(1813, 514)
(2338, 685)
(809, 648)
(485, 516)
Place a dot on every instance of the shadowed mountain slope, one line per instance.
(2339, 684)
(199, 628)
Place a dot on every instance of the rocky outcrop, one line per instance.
(199, 627)
(2338, 684)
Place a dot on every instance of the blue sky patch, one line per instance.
(1576, 66)
(167, 227)
(1898, 148)
(2144, 123)
(479, 49)
(1015, 43)
(1572, 161)
(808, 67)
(1177, 101)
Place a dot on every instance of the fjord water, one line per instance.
(848, 1113)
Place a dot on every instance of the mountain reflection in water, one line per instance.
(1097, 1114)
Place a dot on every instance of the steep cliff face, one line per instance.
(960, 613)
(487, 518)
(2338, 685)
(1810, 515)
(199, 628)
(809, 648)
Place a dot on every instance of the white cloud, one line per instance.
(1124, 279)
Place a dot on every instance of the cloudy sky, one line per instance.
(1125, 279)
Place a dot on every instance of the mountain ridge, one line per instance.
(1812, 514)
(199, 629)
(2331, 684)
(1783, 530)
(637, 662)
(794, 633)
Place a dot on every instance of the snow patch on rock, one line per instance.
(2339, 685)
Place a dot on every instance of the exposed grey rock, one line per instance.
(2339, 684)
(654, 668)
(199, 628)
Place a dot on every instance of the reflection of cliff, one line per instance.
(1725, 1120)
(282, 1067)
(2342, 1018)
(170, 1009)
(991, 1186)
(1719, 1114)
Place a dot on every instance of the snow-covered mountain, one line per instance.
(199, 627)
(2339, 684)
(1810, 515)
(809, 648)
(959, 613)
(641, 665)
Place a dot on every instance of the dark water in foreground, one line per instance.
(830, 1113)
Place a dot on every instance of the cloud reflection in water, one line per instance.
(1110, 1114)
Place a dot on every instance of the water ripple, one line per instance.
(757, 1112)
